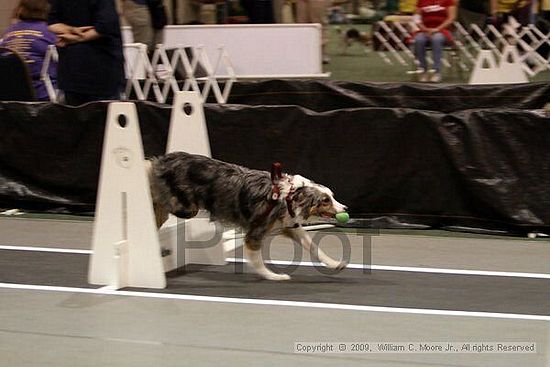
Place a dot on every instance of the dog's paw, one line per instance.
(277, 277)
(338, 266)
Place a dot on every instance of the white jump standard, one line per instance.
(126, 250)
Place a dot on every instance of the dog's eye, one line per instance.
(326, 200)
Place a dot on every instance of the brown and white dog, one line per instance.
(352, 36)
(257, 201)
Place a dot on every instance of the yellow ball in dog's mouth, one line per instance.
(342, 217)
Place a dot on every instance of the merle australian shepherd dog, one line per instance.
(257, 201)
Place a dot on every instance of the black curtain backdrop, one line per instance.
(398, 164)
(323, 96)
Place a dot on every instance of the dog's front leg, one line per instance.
(253, 253)
(303, 238)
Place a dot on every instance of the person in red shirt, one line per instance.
(433, 17)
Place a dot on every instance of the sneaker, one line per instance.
(424, 77)
(435, 78)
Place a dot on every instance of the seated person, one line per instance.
(433, 18)
(30, 38)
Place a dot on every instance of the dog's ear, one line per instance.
(276, 171)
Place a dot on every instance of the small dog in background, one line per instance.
(258, 202)
(352, 36)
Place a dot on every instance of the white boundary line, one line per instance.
(269, 302)
(30, 219)
(45, 249)
(411, 269)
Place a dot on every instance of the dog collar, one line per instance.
(276, 176)
(283, 188)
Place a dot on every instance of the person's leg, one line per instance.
(169, 6)
(187, 11)
(420, 42)
(139, 19)
(437, 43)
(158, 36)
(318, 14)
(302, 11)
(261, 12)
(318, 11)
(278, 10)
(266, 11)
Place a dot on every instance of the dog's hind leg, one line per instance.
(303, 238)
(253, 254)
(161, 215)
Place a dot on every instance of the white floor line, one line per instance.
(45, 249)
(413, 269)
(270, 302)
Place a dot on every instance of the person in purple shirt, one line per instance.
(29, 37)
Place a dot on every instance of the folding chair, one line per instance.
(15, 81)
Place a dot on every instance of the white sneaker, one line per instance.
(435, 78)
(424, 77)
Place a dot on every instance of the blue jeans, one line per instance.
(436, 41)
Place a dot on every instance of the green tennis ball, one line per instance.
(342, 217)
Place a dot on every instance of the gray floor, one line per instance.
(511, 295)
(399, 248)
(57, 325)
(64, 329)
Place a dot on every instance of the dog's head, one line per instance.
(311, 199)
(353, 34)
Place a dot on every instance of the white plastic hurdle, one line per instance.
(188, 132)
(485, 69)
(126, 247)
(509, 68)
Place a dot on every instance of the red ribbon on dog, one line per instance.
(276, 175)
